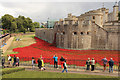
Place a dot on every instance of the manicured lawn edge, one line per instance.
(11, 70)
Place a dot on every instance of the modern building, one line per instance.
(50, 23)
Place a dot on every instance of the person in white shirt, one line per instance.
(9, 60)
(92, 64)
(33, 63)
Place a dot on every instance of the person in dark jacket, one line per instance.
(88, 64)
(65, 66)
(3, 62)
(39, 63)
(111, 63)
(104, 63)
(15, 60)
(62, 61)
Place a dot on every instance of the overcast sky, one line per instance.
(41, 11)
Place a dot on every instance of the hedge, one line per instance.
(11, 70)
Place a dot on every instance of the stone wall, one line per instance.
(95, 29)
(45, 34)
(81, 36)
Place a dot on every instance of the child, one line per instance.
(65, 66)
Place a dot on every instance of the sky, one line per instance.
(40, 11)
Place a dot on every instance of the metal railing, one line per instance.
(71, 63)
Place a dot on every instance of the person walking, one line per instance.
(14, 63)
(33, 63)
(17, 61)
(111, 63)
(88, 64)
(9, 60)
(3, 62)
(43, 67)
(39, 63)
(65, 67)
(62, 61)
(104, 63)
(92, 64)
(55, 61)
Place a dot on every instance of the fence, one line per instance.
(26, 61)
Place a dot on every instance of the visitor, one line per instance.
(43, 67)
(65, 66)
(119, 67)
(3, 62)
(55, 61)
(9, 60)
(33, 63)
(14, 63)
(104, 63)
(92, 64)
(88, 64)
(17, 61)
(39, 63)
(41, 57)
(111, 63)
(62, 61)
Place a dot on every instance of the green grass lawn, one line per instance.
(26, 40)
(42, 74)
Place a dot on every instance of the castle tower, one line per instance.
(119, 5)
(115, 11)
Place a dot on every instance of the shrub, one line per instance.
(11, 70)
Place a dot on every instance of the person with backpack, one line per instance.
(65, 66)
(111, 63)
(33, 63)
(55, 61)
(39, 63)
(104, 63)
(88, 64)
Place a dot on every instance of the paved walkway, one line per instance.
(78, 71)
(4, 48)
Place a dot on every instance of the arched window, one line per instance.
(75, 33)
(93, 17)
(81, 33)
(63, 33)
(88, 33)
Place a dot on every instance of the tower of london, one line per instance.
(95, 29)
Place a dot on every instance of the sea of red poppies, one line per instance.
(73, 57)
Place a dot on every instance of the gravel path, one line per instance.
(4, 48)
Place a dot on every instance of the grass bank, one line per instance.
(42, 74)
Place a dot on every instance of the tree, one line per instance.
(119, 15)
(29, 24)
(32, 28)
(13, 27)
(20, 24)
(36, 24)
(7, 20)
(4, 31)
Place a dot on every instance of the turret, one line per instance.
(115, 11)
